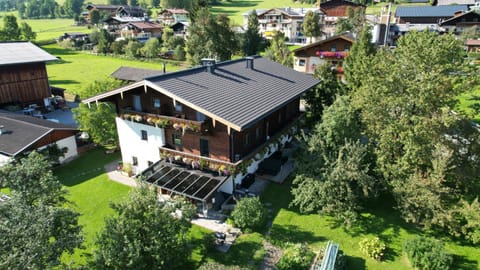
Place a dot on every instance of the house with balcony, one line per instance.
(170, 16)
(331, 51)
(462, 21)
(198, 132)
(288, 20)
(141, 31)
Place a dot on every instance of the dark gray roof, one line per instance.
(429, 11)
(134, 74)
(21, 131)
(22, 52)
(232, 94)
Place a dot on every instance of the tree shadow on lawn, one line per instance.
(356, 263)
(291, 233)
(462, 263)
(87, 166)
(54, 82)
(59, 51)
(240, 253)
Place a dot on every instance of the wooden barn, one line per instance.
(23, 75)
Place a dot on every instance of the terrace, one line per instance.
(173, 178)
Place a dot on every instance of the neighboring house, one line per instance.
(171, 16)
(106, 9)
(462, 21)
(334, 10)
(75, 37)
(180, 28)
(332, 50)
(23, 75)
(224, 116)
(427, 14)
(20, 134)
(115, 24)
(131, 74)
(130, 11)
(472, 45)
(288, 20)
(141, 31)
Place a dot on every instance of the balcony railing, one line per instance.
(163, 121)
(222, 167)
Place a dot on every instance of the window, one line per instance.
(245, 140)
(302, 62)
(144, 135)
(134, 161)
(177, 140)
(178, 107)
(333, 48)
(257, 133)
(204, 149)
(156, 103)
(347, 48)
(200, 117)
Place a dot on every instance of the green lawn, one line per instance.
(235, 8)
(470, 103)
(91, 192)
(51, 29)
(77, 69)
(381, 221)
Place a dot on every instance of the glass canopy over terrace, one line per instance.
(182, 181)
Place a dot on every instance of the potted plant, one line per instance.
(195, 164)
(127, 169)
(138, 118)
(177, 126)
(203, 164)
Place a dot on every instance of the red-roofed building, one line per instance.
(142, 30)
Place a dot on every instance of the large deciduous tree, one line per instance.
(151, 48)
(98, 120)
(406, 97)
(278, 50)
(311, 25)
(333, 176)
(252, 37)
(357, 63)
(35, 227)
(354, 22)
(210, 37)
(323, 95)
(10, 30)
(144, 234)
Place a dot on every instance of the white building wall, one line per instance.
(132, 145)
(309, 65)
(4, 160)
(71, 146)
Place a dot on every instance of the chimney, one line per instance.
(209, 63)
(164, 68)
(250, 62)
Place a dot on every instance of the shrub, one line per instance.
(372, 247)
(427, 254)
(249, 213)
(295, 256)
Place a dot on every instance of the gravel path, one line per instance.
(272, 256)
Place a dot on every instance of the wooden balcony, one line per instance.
(163, 121)
(222, 167)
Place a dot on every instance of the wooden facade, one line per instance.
(338, 8)
(223, 144)
(24, 83)
(53, 137)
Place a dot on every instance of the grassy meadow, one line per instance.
(91, 192)
(77, 69)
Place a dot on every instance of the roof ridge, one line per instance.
(3, 115)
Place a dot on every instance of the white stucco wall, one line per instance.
(71, 146)
(310, 63)
(132, 145)
(4, 159)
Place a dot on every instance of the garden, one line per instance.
(91, 191)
